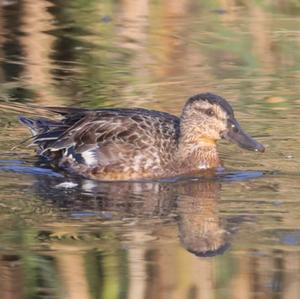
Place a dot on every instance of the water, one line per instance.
(236, 235)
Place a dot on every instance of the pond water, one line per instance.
(236, 235)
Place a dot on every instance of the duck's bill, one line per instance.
(235, 134)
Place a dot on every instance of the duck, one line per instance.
(111, 144)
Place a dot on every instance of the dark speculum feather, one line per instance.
(50, 135)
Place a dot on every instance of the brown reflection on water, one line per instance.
(171, 48)
(262, 41)
(133, 20)
(71, 271)
(38, 45)
(11, 277)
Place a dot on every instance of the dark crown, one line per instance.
(212, 99)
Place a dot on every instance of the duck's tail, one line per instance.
(32, 124)
(44, 131)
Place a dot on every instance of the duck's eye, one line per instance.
(234, 128)
(210, 112)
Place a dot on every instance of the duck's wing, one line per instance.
(91, 131)
(104, 136)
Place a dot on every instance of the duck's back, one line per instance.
(108, 143)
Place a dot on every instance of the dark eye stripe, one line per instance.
(199, 109)
(209, 111)
(203, 110)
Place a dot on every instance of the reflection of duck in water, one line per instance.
(200, 229)
(122, 144)
(195, 205)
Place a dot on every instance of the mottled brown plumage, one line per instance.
(122, 144)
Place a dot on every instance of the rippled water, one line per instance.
(236, 235)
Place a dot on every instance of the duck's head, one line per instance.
(207, 118)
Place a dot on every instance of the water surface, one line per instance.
(236, 235)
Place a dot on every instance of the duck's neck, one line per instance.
(198, 156)
(196, 151)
